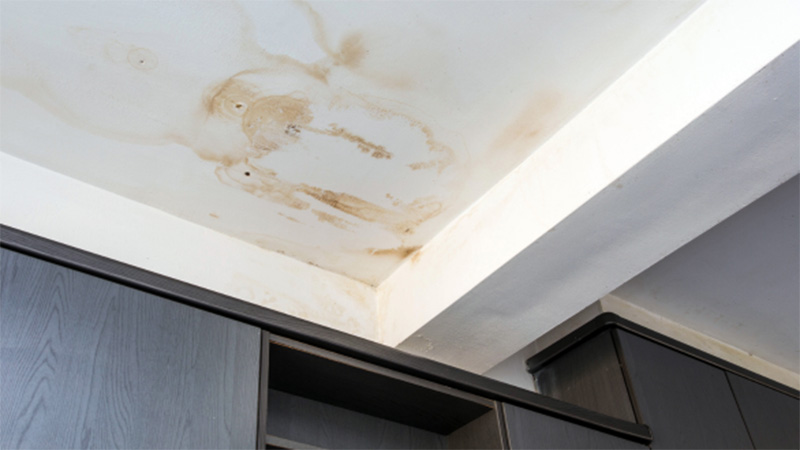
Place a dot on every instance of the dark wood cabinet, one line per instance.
(322, 399)
(531, 430)
(688, 398)
(686, 402)
(772, 417)
(87, 363)
(590, 376)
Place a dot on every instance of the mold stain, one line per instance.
(338, 222)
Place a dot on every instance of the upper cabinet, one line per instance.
(88, 363)
(686, 402)
(771, 416)
(322, 399)
(688, 399)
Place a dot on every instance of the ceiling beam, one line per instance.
(672, 148)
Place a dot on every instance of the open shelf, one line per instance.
(321, 399)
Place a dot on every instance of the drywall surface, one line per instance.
(586, 223)
(738, 283)
(342, 134)
(60, 208)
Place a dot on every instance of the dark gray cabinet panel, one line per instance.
(588, 375)
(481, 433)
(322, 425)
(687, 403)
(86, 363)
(530, 430)
(772, 418)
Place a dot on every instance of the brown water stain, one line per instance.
(351, 50)
(402, 221)
(271, 122)
(529, 124)
(401, 252)
(338, 222)
(275, 121)
(374, 150)
(213, 215)
(240, 119)
(290, 218)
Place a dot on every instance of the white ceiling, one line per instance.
(740, 148)
(342, 134)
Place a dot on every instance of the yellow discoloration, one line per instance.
(338, 222)
(397, 252)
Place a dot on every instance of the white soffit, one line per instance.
(648, 166)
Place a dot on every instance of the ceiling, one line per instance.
(342, 134)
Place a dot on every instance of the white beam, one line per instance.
(597, 203)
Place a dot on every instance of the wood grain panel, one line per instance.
(532, 430)
(482, 433)
(309, 372)
(588, 375)
(322, 425)
(87, 363)
(687, 403)
(772, 418)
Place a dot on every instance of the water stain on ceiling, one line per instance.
(328, 152)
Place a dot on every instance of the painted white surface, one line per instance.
(343, 134)
(738, 283)
(733, 154)
(60, 208)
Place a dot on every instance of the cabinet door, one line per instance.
(686, 403)
(529, 430)
(771, 417)
(87, 363)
